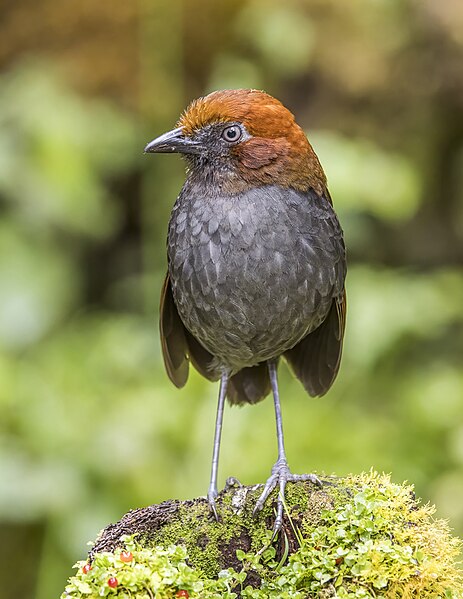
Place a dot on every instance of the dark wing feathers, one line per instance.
(201, 359)
(173, 341)
(179, 345)
(315, 359)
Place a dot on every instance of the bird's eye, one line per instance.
(231, 134)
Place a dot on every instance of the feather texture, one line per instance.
(249, 385)
(173, 341)
(316, 359)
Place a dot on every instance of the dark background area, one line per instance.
(89, 424)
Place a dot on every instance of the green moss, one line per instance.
(363, 537)
(198, 534)
(203, 537)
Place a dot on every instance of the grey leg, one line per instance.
(272, 370)
(212, 493)
(281, 473)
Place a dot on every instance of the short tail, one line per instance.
(249, 385)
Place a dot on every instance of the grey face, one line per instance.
(207, 149)
(216, 142)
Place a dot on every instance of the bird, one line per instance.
(256, 262)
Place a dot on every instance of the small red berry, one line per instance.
(182, 593)
(126, 556)
(112, 582)
(86, 569)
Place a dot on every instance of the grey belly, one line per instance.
(249, 282)
(248, 320)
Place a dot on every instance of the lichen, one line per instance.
(360, 537)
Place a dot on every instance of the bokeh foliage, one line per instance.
(89, 424)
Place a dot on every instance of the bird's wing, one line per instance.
(179, 345)
(173, 341)
(316, 358)
(201, 359)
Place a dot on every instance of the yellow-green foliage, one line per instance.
(372, 541)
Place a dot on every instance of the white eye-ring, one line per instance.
(232, 134)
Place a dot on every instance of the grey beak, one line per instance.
(173, 141)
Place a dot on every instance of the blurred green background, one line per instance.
(89, 424)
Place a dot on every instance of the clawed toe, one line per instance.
(232, 483)
(211, 497)
(281, 475)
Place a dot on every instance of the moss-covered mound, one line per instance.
(359, 537)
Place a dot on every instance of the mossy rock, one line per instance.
(356, 537)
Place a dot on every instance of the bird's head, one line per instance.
(243, 138)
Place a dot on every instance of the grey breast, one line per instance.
(252, 274)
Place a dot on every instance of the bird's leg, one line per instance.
(281, 473)
(212, 493)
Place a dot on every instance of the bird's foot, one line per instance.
(211, 497)
(212, 494)
(281, 475)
